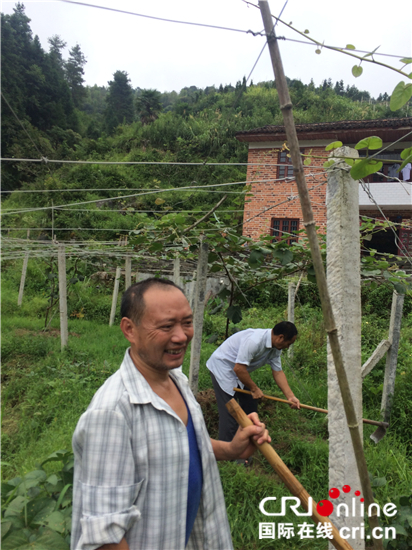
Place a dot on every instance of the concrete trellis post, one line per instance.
(199, 307)
(115, 294)
(291, 310)
(23, 278)
(192, 290)
(61, 259)
(128, 271)
(176, 271)
(343, 278)
(392, 355)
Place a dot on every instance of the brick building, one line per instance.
(275, 207)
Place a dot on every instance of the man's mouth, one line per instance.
(175, 351)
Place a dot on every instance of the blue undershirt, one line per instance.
(194, 490)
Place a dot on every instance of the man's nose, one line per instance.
(179, 335)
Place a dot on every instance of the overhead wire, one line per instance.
(164, 19)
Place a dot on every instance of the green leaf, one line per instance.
(405, 162)
(306, 31)
(49, 540)
(234, 313)
(56, 522)
(5, 528)
(365, 167)
(406, 60)
(38, 510)
(256, 258)
(328, 163)
(15, 541)
(156, 247)
(372, 142)
(212, 339)
(307, 162)
(405, 501)
(379, 482)
(15, 506)
(350, 47)
(357, 70)
(400, 288)
(400, 96)
(333, 145)
(400, 530)
(285, 256)
(215, 268)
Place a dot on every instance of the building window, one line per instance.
(285, 168)
(285, 227)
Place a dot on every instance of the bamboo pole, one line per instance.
(316, 409)
(294, 486)
(310, 226)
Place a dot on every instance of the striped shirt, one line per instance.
(132, 467)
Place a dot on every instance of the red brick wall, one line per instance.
(271, 193)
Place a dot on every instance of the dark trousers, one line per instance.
(227, 424)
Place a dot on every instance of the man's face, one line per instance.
(279, 342)
(165, 329)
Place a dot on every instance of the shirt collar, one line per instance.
(137, 386)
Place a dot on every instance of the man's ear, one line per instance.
(127, 326)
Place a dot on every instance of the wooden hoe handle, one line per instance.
(294, 486)
(365, 420)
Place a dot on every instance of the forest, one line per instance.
(49, 113)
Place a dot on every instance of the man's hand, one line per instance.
(241, 445)
(257, 393)
(294, 402)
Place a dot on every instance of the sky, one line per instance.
(169, 56)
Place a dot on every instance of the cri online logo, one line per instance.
(326, 507)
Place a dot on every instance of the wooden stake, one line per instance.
(115, 294)
(64, 332)
(199, 307)
(294, 486)
(310, 226)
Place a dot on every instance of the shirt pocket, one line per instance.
(102, 500)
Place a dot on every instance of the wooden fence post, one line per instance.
(291, 310)
(128, 271)
(199, 307)
(23, 278)
(115, 294)
(64, 333)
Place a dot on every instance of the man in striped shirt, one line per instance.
(146, 476)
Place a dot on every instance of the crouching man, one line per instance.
(145, 475)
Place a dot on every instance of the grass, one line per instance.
(45, 390)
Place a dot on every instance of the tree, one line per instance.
(74, 74)
(119, 101)
(148, 105)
